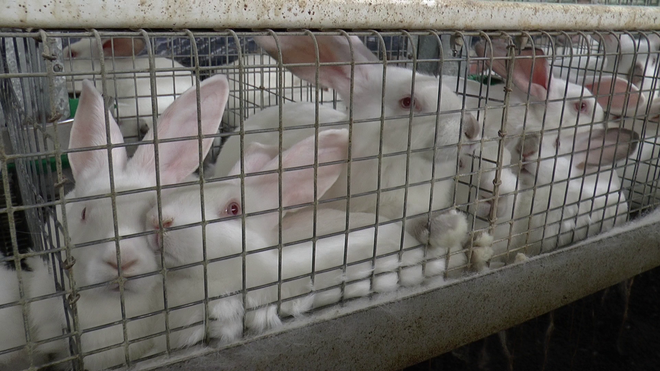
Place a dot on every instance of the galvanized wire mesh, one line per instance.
(529, 146)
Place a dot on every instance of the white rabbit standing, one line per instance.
(227, 237)
(91, 220)
(436, 133)
(129, 81)
(566, 192)
(260, 88)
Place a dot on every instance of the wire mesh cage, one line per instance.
(218, 187)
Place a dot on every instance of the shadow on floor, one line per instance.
(615, 329)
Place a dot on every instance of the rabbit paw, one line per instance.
(227, 316)
(445, 230)
(263, 319)
(482, 250)
(520, 258)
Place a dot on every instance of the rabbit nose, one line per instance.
(471, 126)
(167, 223)
(125, 263)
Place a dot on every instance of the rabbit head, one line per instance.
(106, 248)
(554, 102)
(372, 86)
(223, 207)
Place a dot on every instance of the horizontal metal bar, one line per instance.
(416, 326)
(360, 14)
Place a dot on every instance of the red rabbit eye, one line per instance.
(581, 106)
(233, 208)
(406, 102)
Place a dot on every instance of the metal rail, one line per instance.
(353, 14)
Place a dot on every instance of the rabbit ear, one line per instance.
(604, 147)
(255, 157)
(179, 159)
(611, 43)
(298, 185)
(89, 130)
(302, 49)
(531, 72)
(617, 101)
(122, 47)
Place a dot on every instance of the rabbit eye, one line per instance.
(407, 102)
(83, 215)
(581, 107)
(233, 208)
(72, 54)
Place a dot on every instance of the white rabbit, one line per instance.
(128, 78)
(90, 223)
(435, 132)
(564, 199)
(637, 58)
(260, 89)
(36, 283)
(227, 238)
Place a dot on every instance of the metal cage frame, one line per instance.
(420, 322)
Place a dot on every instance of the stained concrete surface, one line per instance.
(614, 329)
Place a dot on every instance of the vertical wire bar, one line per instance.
(349, 160)
(435, 146)
(242, 83)
(113, 199)
(316, 161)
(55, 115)
(411, 116)
(200, 149)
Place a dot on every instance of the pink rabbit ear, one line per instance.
(299, 184)
(180, 158)
(255, 157)
(331, 49)
(625, 96)
(89, 130)
(604, 147)
(531, 71)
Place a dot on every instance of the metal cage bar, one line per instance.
(485, 180)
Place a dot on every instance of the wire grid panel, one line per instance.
(538, 139)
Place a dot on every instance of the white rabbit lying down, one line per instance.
(563, 199)
(91, 220)
(183, 245)
(446, 123)
(131, 90)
